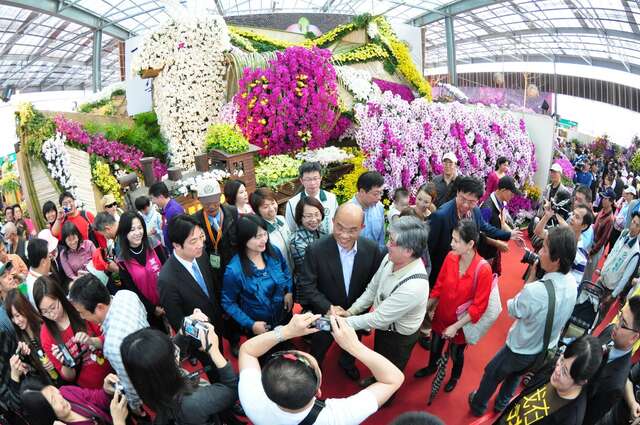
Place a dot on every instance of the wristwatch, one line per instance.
(278, 333)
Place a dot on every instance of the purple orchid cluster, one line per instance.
(339, 129)
(567, 168)
(400, 89)
(406, 141)
(519, 203)
(291, 104)
(111, 150)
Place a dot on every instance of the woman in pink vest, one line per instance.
(140, 264)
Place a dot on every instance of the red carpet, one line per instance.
(452, 407)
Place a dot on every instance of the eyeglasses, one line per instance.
(111, 205)
(469, 202)
(294, 356)
(50, 310)
(623, 324)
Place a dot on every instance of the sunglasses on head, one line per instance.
(294, 356)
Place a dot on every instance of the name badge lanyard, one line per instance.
(214, 258)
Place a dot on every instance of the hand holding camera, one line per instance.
(18, 368)
(118, 408)
(344, 335)
(301, 325)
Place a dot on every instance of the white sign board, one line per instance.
(541, 129)
(139, 98)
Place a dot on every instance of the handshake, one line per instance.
(336, 310)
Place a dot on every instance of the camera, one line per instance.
(117, 386)
(66, 209)
(67, 359)
(562, 208)
(529, 257)
(323, 324)
(192, 327)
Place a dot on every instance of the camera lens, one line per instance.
(529, 257)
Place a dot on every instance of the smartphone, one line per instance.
(67, 358)
(191, 327)
(118, 386)
(323, 323)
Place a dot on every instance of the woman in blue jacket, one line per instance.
(256, 289)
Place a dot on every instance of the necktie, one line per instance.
(199, 278)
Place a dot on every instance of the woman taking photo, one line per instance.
(76, 253)
(501, 170)
(73, 345)
(256, 290)
(309, 215)
(27, 324)
(424, 201)
(50, 213)
(235, 193)
(464, 277)
(264, 204)
(140, 264)
(151, 360)
(562, 398)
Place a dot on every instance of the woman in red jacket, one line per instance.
(454, 288)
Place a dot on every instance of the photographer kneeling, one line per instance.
(151, 360)
(285, 391)
(529, 307)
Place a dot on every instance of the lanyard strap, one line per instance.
(215, 240)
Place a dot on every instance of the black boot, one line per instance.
(437, 342)
(457, 356)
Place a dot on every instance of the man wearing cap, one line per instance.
(218, 223)
(55, 269)
(555, 182)
(444, 181)
(110, 205)
(602, 231)
(494, 212)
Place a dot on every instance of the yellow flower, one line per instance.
(263, 121)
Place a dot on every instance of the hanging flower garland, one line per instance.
(290, 105)
(56, 158)
(406, 141)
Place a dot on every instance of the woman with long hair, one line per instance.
(151, 360)
(73, 345)
(76, 253)
(27, 324)
(562, 398)
(50, 213)
(235, 193)
(464, 277)
(140, 262)
(256, 290)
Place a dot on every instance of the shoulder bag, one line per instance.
(474, 331)
(547, 354)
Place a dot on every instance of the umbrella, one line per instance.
(440, 373)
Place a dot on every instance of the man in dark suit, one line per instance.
(186, 280)
(445, 219)
(605, 392)
(337, 269)
(219, 225)
(494, 213)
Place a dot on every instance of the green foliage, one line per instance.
(118, 92)
(106, 105)
(635, 162)
(389, 66)
(361, 21)
(144, 134)
(226, 138)
(35, 127)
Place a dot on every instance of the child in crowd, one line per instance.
(400, 202)
(152, 219)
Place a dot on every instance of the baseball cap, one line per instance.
(630, 189)
(509, 183)
(609, 193)
(451, 157)
(208, 190)
(52, 241)
(557, 168)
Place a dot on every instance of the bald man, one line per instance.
(337, 269)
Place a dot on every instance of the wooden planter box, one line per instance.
(335, 173)
(150, 73)
(238, 161)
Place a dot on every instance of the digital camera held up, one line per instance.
(192, 327)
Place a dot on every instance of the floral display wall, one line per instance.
(190, 88)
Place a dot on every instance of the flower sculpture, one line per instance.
(290, 105)
(56, 159)
(406, 141)
(190, 89)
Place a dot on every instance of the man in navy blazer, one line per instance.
(444, 220)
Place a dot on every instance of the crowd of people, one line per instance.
(119, 317)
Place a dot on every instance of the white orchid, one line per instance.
(358, 83)
(325, 156)
(56, 158)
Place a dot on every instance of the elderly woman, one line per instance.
(309, 216)
(465, 277)
(398, 292)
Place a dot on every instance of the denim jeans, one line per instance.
(506, 367)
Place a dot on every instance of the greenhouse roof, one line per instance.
(50, 44)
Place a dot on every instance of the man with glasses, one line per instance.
(620, 337)
(370, 187)
(311, 179)
(337, 269)
(445, 219)
(286, 390)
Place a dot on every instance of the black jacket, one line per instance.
(322, 282)
(180, 293)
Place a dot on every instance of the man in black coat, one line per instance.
(186, 280)
(337, 269)
(605, 392)
(218, 223)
